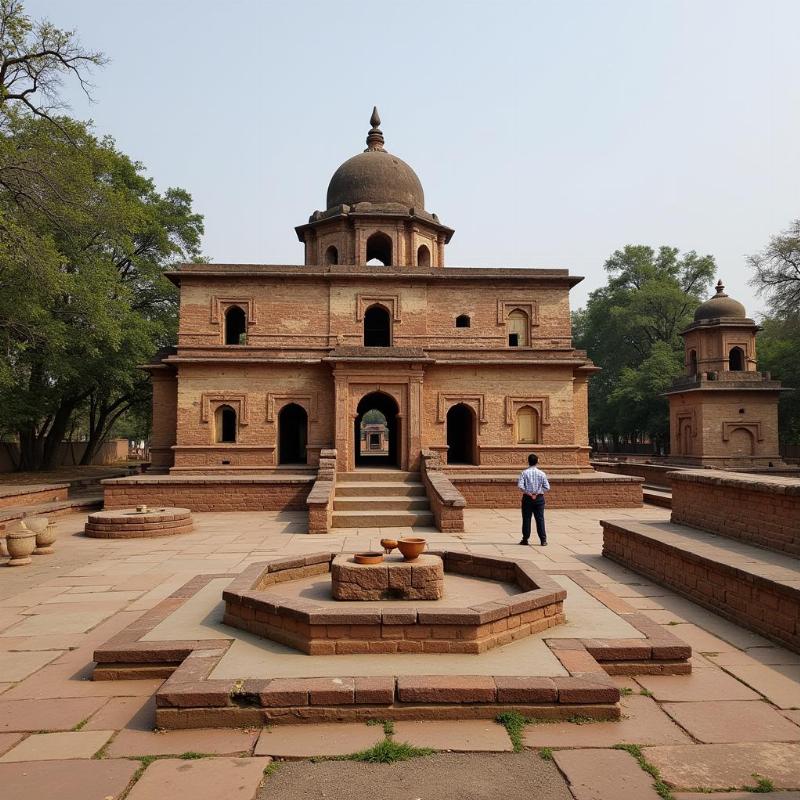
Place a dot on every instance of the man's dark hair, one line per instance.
(533, 460)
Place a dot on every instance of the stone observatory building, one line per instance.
(460, 371)
(723, 412)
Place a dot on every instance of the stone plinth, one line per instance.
(392, 579)
(132, 524)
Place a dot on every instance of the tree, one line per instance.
(34, 59)
(76, 323)
(631, 328)
(777, 271)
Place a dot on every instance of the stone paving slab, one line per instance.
(58, 746)
(16, 666)
(604, 775)
(33, 715)
(643, 722)
(734, 796)
(217, 741)
(460, 736)
(702, 684)
(124, 712)
(780, 683)
(733, 721)
(98, 779)
(201, 779)
(327, 739)
(8, 740)
(727, 766)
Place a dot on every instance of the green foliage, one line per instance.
(777, 271)
(763, 785)
(651, 769)
(631, 329)
(514, 723)
(389, 751)
(778, 345)
(546, 753)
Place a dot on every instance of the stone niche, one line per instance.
(392, 579)
(305, 616)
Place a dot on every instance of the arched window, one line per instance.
(462, 321)
(225, 424)
(235, 326)
(331, 255)
(693, 362)
(736, 359)
(423, 256)
(517, 327)
(527, 426)
(379, 249)
(377, 327)
(461, 435)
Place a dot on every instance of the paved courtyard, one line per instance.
(734, 723)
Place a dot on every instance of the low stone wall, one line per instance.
(32, 495)
(769, 607)
(320, 499)
(210, 493)
(651, 474)
(447, 503)
(583, 490)
(762, 511)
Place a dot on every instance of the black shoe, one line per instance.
(524, 541)
(544, 543)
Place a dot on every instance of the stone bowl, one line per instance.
(372, 557)
(411, 547)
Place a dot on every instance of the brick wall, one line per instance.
(31, 495)
(762, 511)
(749, 600)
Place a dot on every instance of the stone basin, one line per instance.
(493, 601)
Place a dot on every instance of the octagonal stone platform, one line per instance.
(289, 601)
(128, 523)
(393, 579)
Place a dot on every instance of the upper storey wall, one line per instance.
(316, 312)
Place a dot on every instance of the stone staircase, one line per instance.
(378, 498)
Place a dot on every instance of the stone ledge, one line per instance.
(768, 484)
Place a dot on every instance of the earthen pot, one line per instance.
(21, 542)
(45, 540)
(411, 548)
(368, 558)
(388, 545)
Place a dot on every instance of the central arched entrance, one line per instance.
(377, 434)
(292, 434)
(461, 435)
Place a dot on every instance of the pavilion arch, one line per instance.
(377, 326)
(379, 248)
(388, 407)
(518, 328)
(423, 256)
(462, 435)
(332, 255)
(693, 362)
(736, 360)
(527, 426)
(235, 325)
(225, 425)
(292, 434)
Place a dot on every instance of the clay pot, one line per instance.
(412, 547)
(45, 540)
(21, 542)
(388, 545)
(368, 558)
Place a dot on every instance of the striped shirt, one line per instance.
(533, 481)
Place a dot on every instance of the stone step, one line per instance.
(376, 489)
(53, 508)
(380, 503)
(381, 519)
(378, 475)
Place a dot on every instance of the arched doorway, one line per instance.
(377, 432)
(379, 250)
(377, 327)
(736, 359)
(461, 435)
(292, 434)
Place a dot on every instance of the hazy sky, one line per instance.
(547, 134)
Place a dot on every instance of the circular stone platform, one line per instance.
(392, 579)
(128, 523)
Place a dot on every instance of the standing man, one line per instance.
(533, 484)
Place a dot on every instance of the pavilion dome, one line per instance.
(719, 306)
(376, 177)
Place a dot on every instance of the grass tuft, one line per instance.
(514, 723)
(546, 753)
(271, 768)
(645, 693)
(387, 752)
(763, 785)
(661, 788)
(625, 691)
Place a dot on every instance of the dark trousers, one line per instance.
(535, 509)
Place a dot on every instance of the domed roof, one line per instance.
(376, 177)
(720, 305)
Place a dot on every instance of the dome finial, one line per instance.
(721, 288)
(375, 136)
